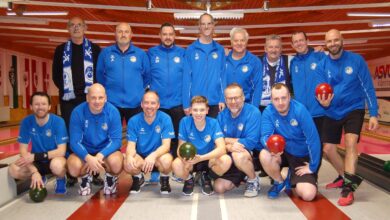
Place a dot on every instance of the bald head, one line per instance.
(334, 43)
(123, 35)
(96, 98)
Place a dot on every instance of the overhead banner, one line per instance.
(27, 83)
(34, 75)
(13, 79)
(46, 76)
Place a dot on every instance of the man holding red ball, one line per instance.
(302, 154)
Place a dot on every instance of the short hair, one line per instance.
(153, 92)
(199, 99)
(273, 37)
(239, 30)
(299, 32)
(44, 94)
(204, 14)
(278, 86)
(234, 86)
(166, 24)
(70, 23)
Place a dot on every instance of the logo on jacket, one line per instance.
(112, 58)
(157, 129)
(244, 69)
(86, 123)
(133, 59)
(157, 60)
(207, 138)
(176, 59)
(48, 132)
(348, 70)
(240, 126)
(277, 123)
(104, 126)
(196, 56)
(214, 55)
(294, 122)
(313, 66)
(296, 68)
(225, 128)
(142, 131)
(89, 72)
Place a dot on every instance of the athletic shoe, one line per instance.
(85, 185)
(252, 188)
(70, 180)
(188, 187)
(177, 179)
(60, 185)
(346, 197)
(110, 183)
(337, 183)
(137, 184)
(205, 183)
(276, 188)
(97, 180)
(165, 187)
(154, 177)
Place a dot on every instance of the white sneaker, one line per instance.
(252, 188)
(85, 185)
(110, 183)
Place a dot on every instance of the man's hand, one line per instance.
(302, 170)
(36, 181)
(149, 163)
(192, 161)
(221, 106)
(237, 147)
(94, 164)
(25, 160)
(373, 123)
(325, 101)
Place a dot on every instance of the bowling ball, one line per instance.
(187, 151)
(386, 166)
(324, 88)
(276, 143)
(38, 195)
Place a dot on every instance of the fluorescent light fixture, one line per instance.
(367, 14)
(345, 42)
(216, 15)
(20, 20)
(196, 31)
(40, 13)
(380, 23)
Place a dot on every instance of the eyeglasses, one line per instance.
(206, 24)
(231, 99)
(73, 26)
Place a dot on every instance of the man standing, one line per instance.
(123, 69)
(74, 71)
(275, 68)
(302, 153)
(243, 67)
(166, 72)
(96, 136)
(353, 88)
(205, 69)
(48, 136)
(149, 136)
(240, 123)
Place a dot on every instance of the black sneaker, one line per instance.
(188, 187)
(165, 187)
(137, 184)
(97, 180)
(71, 181)
(205, 182)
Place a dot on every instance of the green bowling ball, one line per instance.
(187, 151)
(38, 195)
(386, 166)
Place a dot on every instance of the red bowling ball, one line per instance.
(324, 88)
(276, 143)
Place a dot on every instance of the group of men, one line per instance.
(170, 95)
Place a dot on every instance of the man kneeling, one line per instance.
(149, 135)
(302, 153)
(96, 134)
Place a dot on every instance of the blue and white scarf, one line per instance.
(280, 77)
(67, 69)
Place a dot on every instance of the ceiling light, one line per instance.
(216, 15)
(9, 6)
(40, 13)
(19, 20)
(380, 23)
(367, 14)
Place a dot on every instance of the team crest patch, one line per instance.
(157, 129)
(176, 59)
(89, 71)
(157, 60)
(214, 55)
(296, 68)
(133, 59)
(277, 123)
(196, 56)
(207, 138)
(86, 123)
(240, 126)
(313, 66)
(225, 128)
(294, 122)
(244, 69)
(48, 132)
(348, 70)
(104, 126)
(112, 58)
(33, 130)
